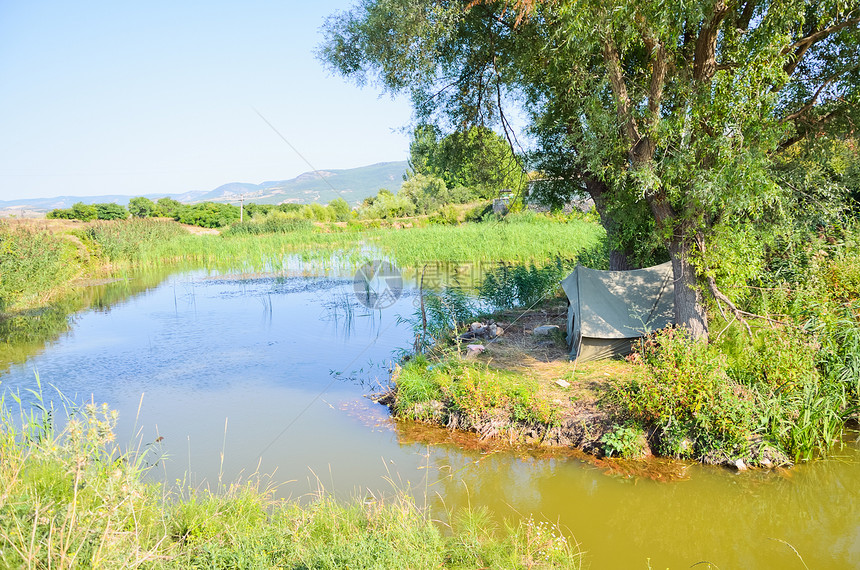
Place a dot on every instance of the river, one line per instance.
(222, 377)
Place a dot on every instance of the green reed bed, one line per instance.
(527, 238)
(35, 265)
(70, 497)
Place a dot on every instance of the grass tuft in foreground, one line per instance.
(70, 498)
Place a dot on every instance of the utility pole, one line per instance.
(241, 207)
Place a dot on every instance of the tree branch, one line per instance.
(811, 103)
(719, 296)
(659, 67)
(619, 90)
(705, 63)
(800, 135)
(820, 35)
(746, 15)
(801, 46)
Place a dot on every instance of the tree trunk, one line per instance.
(620, 259)
(689, 304)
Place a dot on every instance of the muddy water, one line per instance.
(268, 375)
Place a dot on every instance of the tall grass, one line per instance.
(34, 265)
(70, 497)
(528, 239)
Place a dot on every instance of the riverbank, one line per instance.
(40, 260)
(69, 497)
(771, 395)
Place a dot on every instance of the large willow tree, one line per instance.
(668, 113)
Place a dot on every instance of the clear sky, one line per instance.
(115, 97)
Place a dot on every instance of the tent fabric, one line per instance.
(609, 310)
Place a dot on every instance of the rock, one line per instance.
(563, 383)
(544, 330)
(473, 350)
(740, 465)
(766, 463)
(481, 330)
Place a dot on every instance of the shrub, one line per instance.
(686, 390)
(207, 215)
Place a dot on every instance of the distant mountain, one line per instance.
(353, 185)
(323, 186)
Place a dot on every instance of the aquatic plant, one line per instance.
(34, 265)
(510, 285)
(70, 497)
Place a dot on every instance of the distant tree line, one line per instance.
(446, 170)
(89, 212)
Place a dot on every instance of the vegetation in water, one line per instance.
(471, 391)
(70, 497)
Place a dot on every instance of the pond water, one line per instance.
(268, 375)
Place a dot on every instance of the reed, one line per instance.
(70, 497)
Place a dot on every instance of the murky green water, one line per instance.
(240, 375)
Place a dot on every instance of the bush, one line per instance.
(208, 215)
(686, 390)
(141, 207)
(110, 211)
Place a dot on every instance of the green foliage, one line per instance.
(89, 212)
(446, 216)
(125, 241)
(477, 159)
(427, 193)
(84, 212)
(472, 390)
(386, 205)
(276, 222)
(439, 315)
(687, 386)
(60, 214)
(72, 498)
(32, 265)
(523, 239)
(207, 214)
(141, 207)
(624, 441)
(169, 208)
(511, 286)
(110, 211)
(340, 209)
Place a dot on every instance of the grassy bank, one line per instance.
(38, 265)
(71, 498)
(776, 393)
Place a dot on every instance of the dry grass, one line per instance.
(546, 359)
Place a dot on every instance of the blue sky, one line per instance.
(159, 97)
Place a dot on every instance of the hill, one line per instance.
(323, 186)
(352, 184)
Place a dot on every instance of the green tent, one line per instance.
(609, 310)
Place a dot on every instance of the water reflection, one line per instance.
(269, 372)
(732, 520)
